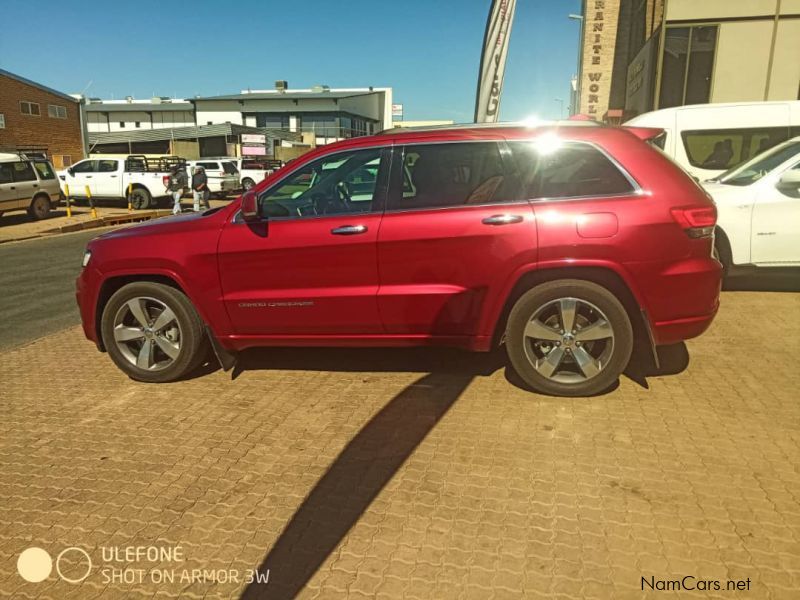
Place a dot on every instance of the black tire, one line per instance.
(247, 184)
(141, 199)
(193, 341)
(594, 300)
(722, 251)
(40, 207)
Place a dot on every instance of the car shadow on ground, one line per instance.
(370, 459)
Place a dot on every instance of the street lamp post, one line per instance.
(576, 107)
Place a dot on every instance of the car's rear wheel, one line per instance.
(569, 338)
(141, 199)
(39, 208)
(152, 332)
(247, 184)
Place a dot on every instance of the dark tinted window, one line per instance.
(229, 168)
(569, 170)
(23, 171)
(209, 166)
(726, 148)
(340, 183)
(450, 174)
(5, 173)
(107, 166)
(85, 166)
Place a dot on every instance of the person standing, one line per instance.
(200, 190)
(178, 181)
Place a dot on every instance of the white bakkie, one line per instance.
(758, 205)
(109, 179)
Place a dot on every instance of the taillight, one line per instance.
(696, 221)
(165, 180)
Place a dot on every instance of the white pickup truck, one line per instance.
(110, 178)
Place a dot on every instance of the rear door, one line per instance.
(452, 235)
(776, 220)
(107, 182)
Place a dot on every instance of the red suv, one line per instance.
(562, 242)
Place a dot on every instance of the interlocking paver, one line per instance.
(409, 473)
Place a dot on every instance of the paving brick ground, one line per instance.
(409, 474)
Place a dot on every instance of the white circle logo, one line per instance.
(88, 568)
(34, 565)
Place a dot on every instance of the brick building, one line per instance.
(641, 55)
(39, 120)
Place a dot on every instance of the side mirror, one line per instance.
(249, 207)
(71, 171)
(790, 179)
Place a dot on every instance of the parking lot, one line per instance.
(408, 473)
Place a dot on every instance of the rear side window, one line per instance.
(726, 148)
(107, 166)
(23, 171)
(44, 169)
(567, 171)
(212, 166)
(449, 174)
(229, 168)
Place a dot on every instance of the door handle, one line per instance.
(88, 177)
(35, 185)
(113, 176)
(349, 230)
(502, 219)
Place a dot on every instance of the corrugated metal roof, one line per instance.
(38, 85)
(140, 107)
(187, 133)
(289, 96)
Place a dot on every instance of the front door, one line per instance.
(452, 235)
(79, 177)
(310, 268)
(776, 222)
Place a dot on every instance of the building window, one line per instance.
(688, 65)
(54, 111)
(122, 124)
(66, 160)
(138, 124)
(29, 108)
(2, 121)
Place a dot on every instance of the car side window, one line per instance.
(209, 166)
(5, 173)
(23, 171)
(566, 170)
(85, 166)
(340, 183)
(449, 174)
(44, 169)
(107, 166)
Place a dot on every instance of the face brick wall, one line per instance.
(59, 138)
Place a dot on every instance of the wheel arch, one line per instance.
(116, 282)
(604, 276)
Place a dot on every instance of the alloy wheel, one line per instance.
(569, 340)
(147, 333)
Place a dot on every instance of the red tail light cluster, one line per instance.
(696, 221)
(165, 180)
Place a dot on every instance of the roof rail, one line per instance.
(501, 125)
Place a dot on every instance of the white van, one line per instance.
(708, 139)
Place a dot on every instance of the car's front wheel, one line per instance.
(569, 338)
(152, 332)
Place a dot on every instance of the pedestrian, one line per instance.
(200, 190)
(178, 181)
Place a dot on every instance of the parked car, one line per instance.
(708, 139)
(561, 242)
(759, 209)
(253, 170)
(110, 178)
(223, 176)
(27, 184)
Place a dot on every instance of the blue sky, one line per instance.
(427, 50)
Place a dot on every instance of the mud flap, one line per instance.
(226, 358)
(646, 323)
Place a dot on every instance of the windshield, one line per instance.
(755, 169)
